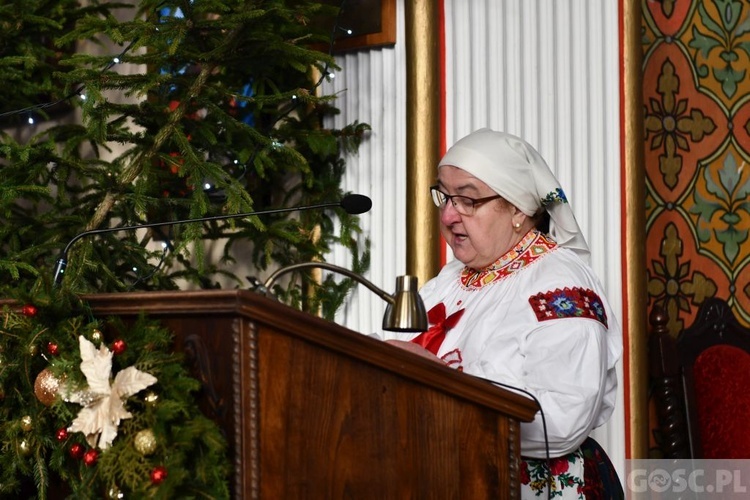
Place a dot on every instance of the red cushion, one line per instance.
(722, 395)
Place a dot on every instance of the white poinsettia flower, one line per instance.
(104, 403)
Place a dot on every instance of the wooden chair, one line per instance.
(701, 384)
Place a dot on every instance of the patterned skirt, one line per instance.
(585, 474)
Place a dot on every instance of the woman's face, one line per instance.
(482, 238)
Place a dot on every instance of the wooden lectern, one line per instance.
(314, 410)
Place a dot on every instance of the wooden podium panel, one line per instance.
(314, 410)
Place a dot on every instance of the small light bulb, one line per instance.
(207, 186)
(116, 60)
(31, 120)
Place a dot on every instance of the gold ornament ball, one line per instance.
(33, 350)
(96, 336)
(24, 447)
(46, 387)
(27, 423)
(145, 442)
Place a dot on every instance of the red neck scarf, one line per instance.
(433, 338)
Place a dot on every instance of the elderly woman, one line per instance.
(520, 305)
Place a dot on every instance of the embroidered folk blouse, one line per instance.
(536, 319)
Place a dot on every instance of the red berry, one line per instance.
(29, 310)
(90, 457)
(159, 474)
(76, 451)
(62, 434)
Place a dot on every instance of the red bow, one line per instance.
(433, 338)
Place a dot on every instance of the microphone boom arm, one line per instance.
(331, 267)
(185, 221)
(405, 311)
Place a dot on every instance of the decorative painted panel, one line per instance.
(697, 144)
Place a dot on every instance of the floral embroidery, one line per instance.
(533, 246)
(535, 476)
(568, 303)
(454, 359)
(556, 196)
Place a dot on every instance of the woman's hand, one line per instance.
(414, 348)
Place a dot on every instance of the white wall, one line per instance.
(372, 88)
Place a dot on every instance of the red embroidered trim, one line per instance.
(454, 359)
(533, 246)
(568, 303)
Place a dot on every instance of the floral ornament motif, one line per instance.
(673, 125)
(103, 404)
(722, 215)
(725, 35)
(672, 281)
(556, 196)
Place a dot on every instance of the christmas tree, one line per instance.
(122, 114)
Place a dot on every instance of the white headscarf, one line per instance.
(516, 171)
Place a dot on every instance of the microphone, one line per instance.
(353, 204)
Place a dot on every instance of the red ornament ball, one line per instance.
(61, 434)
(77, 450)
(159, 474)
(53, 348)
(90, 457)
(119, 346)
(29, 310)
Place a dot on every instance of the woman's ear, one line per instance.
(518, 218)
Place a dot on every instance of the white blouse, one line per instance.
(536, 319)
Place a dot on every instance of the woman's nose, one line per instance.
(449, 215)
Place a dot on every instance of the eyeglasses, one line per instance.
(463, 204)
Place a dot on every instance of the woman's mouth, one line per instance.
(459, 238)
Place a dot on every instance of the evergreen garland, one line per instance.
(166, 449)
